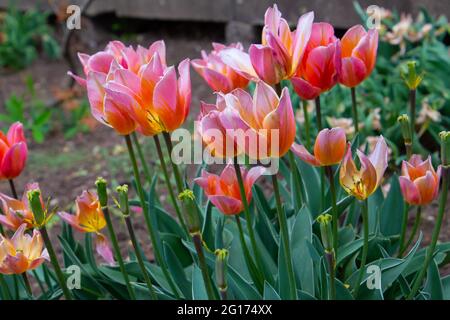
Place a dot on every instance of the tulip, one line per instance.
(320, 65)
(13, 152)
(151, 101)
(89, 218)
(419, 181)
(329, 148)
(116, 53)
(359, 54)
(216, 73)
(17, 212)
(363, 182)
(266, 117)
(223, 191)
(278, 56)
(22, 252)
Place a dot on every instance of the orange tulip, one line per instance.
(419, 182)
(359, 54)
(363, 182)
(267, 120)
(320, 65)
(223, 191)
(329, 148)
(89, 218)
(17, 212)
(22, 252)
(279, 54)
(13, 152)
(216, 73)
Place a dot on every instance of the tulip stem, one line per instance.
(329, 171)
(169, 186)
(118, 255)
(322, 172)
(248, 217)
(54, 260)
(365, 218)
(307, 125)
(285, 238)
(141, 157)
(13, 189)
(175, 169)
(416, 225)
(139, 258)
(354, 110)
(198, 243)
(412, 101)
(297, 181)
(27, 284)
(403, 230)
(149, 223)
(436, 232)
(331, 258)
(318, 114)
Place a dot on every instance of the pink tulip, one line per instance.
(266, 120)
(13, 152)
(223, 191)
(319, 68)
(278, 56)
(419, 182)
(218, 75)
(359, 54)
(363, 182)
(329, 148)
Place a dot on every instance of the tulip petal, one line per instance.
(14, 161)
(100, 62)
(265, 100)
(15, 134)
(184, 90)
(330, 145)
(96, 93)
(304, 154)
(227, 205)
(366, 50)
(351, 39)
(304, 89)
(265, 64)
(353, 72)
(409, 191)
(118, 107)
(426, 186)
(240, 62)
(301, 38)
(104, 249)
(379, 158)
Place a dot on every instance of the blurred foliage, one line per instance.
(23, 35)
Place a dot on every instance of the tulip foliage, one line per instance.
(330, 222)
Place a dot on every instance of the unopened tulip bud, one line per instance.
(405, 126)
(34, 200)
(123, 199)
(221, 269)
(102, 191)
(445, 148)
(191, 210)
(325, 221)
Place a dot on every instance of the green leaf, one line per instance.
(433, 285)
(392, 209)
(176, 270)
(270, 293)
(208, 228)
(198, 285)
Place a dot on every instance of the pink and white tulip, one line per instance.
(13, 152)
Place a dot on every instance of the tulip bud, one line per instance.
(123, 199)
(445, 148)
(221, 269)
(191, 210)
(326, 233)
(102, 191)
(405, 126)
(410, 76)
(34, 200)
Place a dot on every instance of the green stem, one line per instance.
(139, 258)
(175, 169)
(355, 111)
(27, 284)
(248, 217)
(13, 189)
(416, 225)
(318, 114)
(408, 147)
(118, 255)
(285, 238)
(412, 101)
(331, 258)
(198, 243)
(54, 261)
(141, 157)
(329, 171)
(169, 186)
(365, 217)
(436, 231)
(149, 223)
(403, 230)
(307, 124)
(297, 181)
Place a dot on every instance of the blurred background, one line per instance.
(68, 149)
